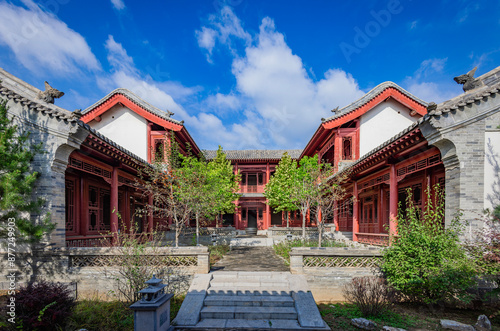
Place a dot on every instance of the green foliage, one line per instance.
(223, 184)
(427, 262)
(279, 191)
(342, 313)
(283, 248)
(94, 314)
(217, 252)
(17, 181)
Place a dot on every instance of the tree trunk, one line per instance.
(319, 221)
(304, 223)
(287, 219)
(176, 235)
(197, 229)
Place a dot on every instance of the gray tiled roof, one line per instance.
(14, 88)
(255, 154)
(492, 87)
(464, 99)
(138, 101)
(369, 96)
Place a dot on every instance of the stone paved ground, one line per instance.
(251, 259)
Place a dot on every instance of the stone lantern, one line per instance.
(152, 311)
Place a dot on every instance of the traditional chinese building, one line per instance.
(387, 141)
(252, 213)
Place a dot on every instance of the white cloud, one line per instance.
(223, 102)
(225, 28)
(423, 85)
(288, 103)
(42, 43)
(118, 4)
(430, 92)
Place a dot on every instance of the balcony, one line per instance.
(252, 188)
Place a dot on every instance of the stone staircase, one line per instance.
(238, 300)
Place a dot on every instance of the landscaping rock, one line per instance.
(483, 323)
(457, 326)
(364, 324)
(390, 328)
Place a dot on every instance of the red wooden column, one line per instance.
(114, 204)
(355, 213)
(127, 214)
(236, 217)
(84, 204)
(150, 214)
(381, 209)
(336, 215)
(268, 209)
(393, 201)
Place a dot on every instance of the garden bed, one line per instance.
(407, 316)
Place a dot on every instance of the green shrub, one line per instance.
(94, 314)
(217, 252)
(427, 263)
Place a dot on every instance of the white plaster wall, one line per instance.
(382, 123)
(125, 128)
(491, 169)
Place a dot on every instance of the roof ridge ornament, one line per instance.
(49, 94)
(468, 81)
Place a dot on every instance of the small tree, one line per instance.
(195, 172)
(222, 185)
(279, 191)
(427, 262)
(306, 186)
(17, 180)
(170, 189)
(328, 191)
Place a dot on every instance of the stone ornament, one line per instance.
(468, 81)
(49, 94)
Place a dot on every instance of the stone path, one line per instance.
(249, 258)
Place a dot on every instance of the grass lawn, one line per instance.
(407, 316)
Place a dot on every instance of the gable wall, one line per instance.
(382, 123)
(124, 127)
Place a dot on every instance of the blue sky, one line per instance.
(247, 74)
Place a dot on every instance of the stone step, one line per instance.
(249, 275)
(249, 282)
(244, 324)
(249, 300)
(248, 313)
(249, 290)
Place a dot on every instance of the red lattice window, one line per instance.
(70, 205)
(99, 211)
(347, 148)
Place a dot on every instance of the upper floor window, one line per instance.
(347, 148)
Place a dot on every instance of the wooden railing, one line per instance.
(377, 239)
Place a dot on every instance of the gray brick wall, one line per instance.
(460, 136)
(59, 138)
